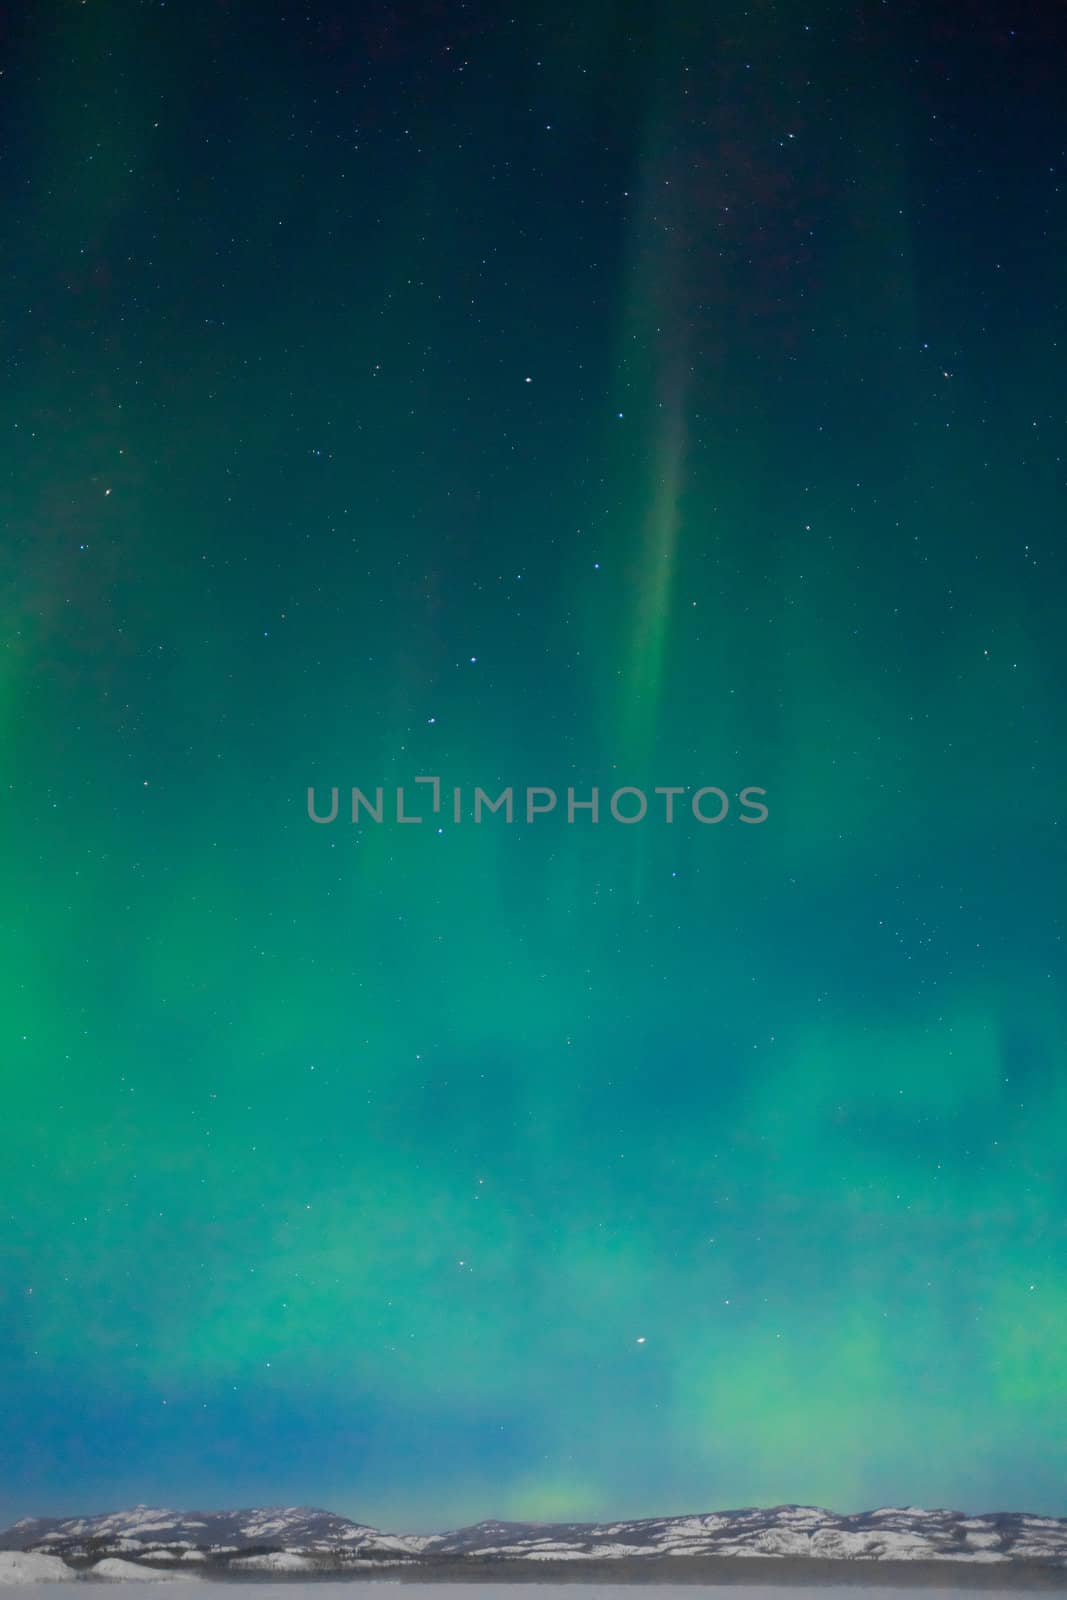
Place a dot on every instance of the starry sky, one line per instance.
(603, 395)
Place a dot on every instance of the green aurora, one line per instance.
(533, 397)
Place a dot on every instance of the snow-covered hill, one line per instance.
(145, 1527)
(891, 1534)
(302, 1539)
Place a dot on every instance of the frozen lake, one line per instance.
(242, 1589)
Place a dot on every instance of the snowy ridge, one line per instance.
(890, 1534)
(289, 1540)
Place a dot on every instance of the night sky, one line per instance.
(605, 395)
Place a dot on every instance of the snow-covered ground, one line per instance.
(114, 1569)
(19, 1567)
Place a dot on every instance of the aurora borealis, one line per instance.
(620, 395)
